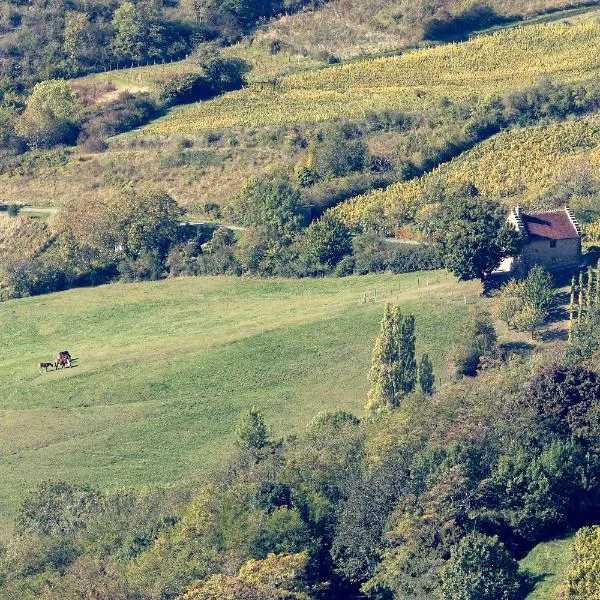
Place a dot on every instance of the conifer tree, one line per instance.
(406, 352)
(251, 431)
(426, 377)
(580, 297)
(384, 363)
(393, 367)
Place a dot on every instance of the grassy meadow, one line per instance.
(548, 566)
(164, 368)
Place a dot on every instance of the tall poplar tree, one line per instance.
(406, 354)
(393, 366)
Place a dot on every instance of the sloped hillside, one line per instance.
(347, 28)
(521, 165)
(484, 66)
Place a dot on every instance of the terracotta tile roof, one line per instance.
(552, 225)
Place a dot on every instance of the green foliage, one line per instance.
(585, 338)
(142, 33)
(510, 301)
(337, 151)
(472, 235)
(144, 221)
(426, 377)
(540, 490)
(526, 304)
(271, 206)
(529, 319)
(251, 431)
(49, 117)
(276, 577)
(564, 399)
(538, 291)
(479, 340)
(480, 568)
(326, 242)
(584, 578)
(393, 367)
(406, 354)
(55, 508)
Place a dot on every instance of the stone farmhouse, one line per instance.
(552, 240)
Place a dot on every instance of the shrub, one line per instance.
(584, 578)
(480, 568)
(184, 89)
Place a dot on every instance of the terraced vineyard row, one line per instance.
(519, 165)
(484, 66)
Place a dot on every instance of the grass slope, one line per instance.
(165, 368)
(348, 29)
(483, 66)
(548, 565)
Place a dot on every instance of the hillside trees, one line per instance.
(142, 34)
(272, 578)
(479, 340)
(472, 235)
(326, 242)
(480, 568)
(49, 117)
(426, 377)
(526, 304)
(251, 431)
(438, 500)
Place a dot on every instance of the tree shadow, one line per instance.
(553, 335)
(531, 581)
(522, 349)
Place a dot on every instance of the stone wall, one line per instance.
(564, 254)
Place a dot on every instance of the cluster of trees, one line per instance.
(93, 244)
(437, 496)
(139, 235)
(68, 39)
(46, 40)
(526, 304)
(394, 372)
(53, 114)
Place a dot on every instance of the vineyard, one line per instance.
(518, 165)
(484, 66)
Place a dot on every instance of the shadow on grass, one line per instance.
(522, 349)
(531, 581)
(553, 335)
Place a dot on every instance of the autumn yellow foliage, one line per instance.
(484, 66)
(518, 166)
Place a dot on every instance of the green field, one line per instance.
(164, 369)
(548, 565)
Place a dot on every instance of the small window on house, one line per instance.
(552, 243)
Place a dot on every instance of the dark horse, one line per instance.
(63, 359)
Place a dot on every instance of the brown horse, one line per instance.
(45, 366)
(63, 359)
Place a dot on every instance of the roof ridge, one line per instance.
(544, 212)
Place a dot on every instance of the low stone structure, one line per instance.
(552, 239)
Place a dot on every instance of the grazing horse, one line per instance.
(45, 366)
(63, 358)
